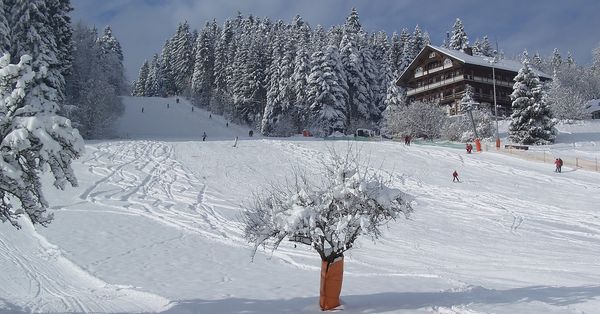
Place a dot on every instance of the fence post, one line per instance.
(544, 156)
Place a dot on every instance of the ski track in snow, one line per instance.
(55, 284)
(143, 178)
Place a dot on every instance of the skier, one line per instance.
(227, 124)
(177, 100)
(192, 108)
(204, 137)
(469, 148)
(558, 162)
(409, 140)
(142, 109)
(235, 143)
(210, 115)
(455, 176)
(250, 133)
(167, 106)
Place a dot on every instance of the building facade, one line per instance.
(441, 75)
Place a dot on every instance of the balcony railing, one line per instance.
(432, 70)
(431, 86)
(489, 81)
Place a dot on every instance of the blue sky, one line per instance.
(142, 26)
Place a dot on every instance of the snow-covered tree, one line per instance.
(565, 103)
(34, 138)
(459, 39)
(556, 60)
(328, 214)
(112, 60)
(182, 63)
(92, 101)
(139, 87)
(531, 120)
(4, 28)
(421, 119)
(203, 77)
(31, 34)
(327, 94)
(483, 48)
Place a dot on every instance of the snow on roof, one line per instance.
(504, 64)
(592, 106)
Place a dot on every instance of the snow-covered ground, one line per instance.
(154, 226)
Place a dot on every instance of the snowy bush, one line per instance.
(33, 139)
(329, 215)
(420, 119)
(459, 127)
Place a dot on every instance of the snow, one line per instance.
(155, 226)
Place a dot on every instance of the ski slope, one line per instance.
(154, 227)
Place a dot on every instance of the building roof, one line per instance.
(462, 57)
(592, 106)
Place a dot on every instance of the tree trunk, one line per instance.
(331, 283)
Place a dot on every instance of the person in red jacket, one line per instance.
(455, 176)
(558, 162)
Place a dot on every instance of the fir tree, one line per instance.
(34, 139)
(327, 94)
(203, 77)
(4, 28)
(181, 53)
(556, 60)
(531, 120)
(139, 88)
(459, 39)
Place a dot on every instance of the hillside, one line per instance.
(154, 226)
(178, 121)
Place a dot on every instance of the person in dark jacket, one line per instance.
(250, 133)
(455, 176)
(204, 137)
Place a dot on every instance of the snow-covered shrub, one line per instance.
(349, 201)
(459, 127)
(421, 119)
(33, 139)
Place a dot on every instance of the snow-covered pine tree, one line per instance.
(485, 48)
(203, 77)
(395, 103)
(371, 86)
(556, 60)
(417, 42)
(531, 120)
(359, 95)
(570, 61)
(112, 60)
(183, 61)
(327, 93)
(32, 35)
(59, 11)
(153, 85)
(394, 55)
(278, 115)
(459, 39)
(92, 101)
(139, 88)
(166, 69)
(300, 83)
(537, 62)
(4, 28)
(34, 138)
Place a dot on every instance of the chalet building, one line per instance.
(439, 74)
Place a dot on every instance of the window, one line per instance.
(447, 62)
(432, 55)
(419, 71)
